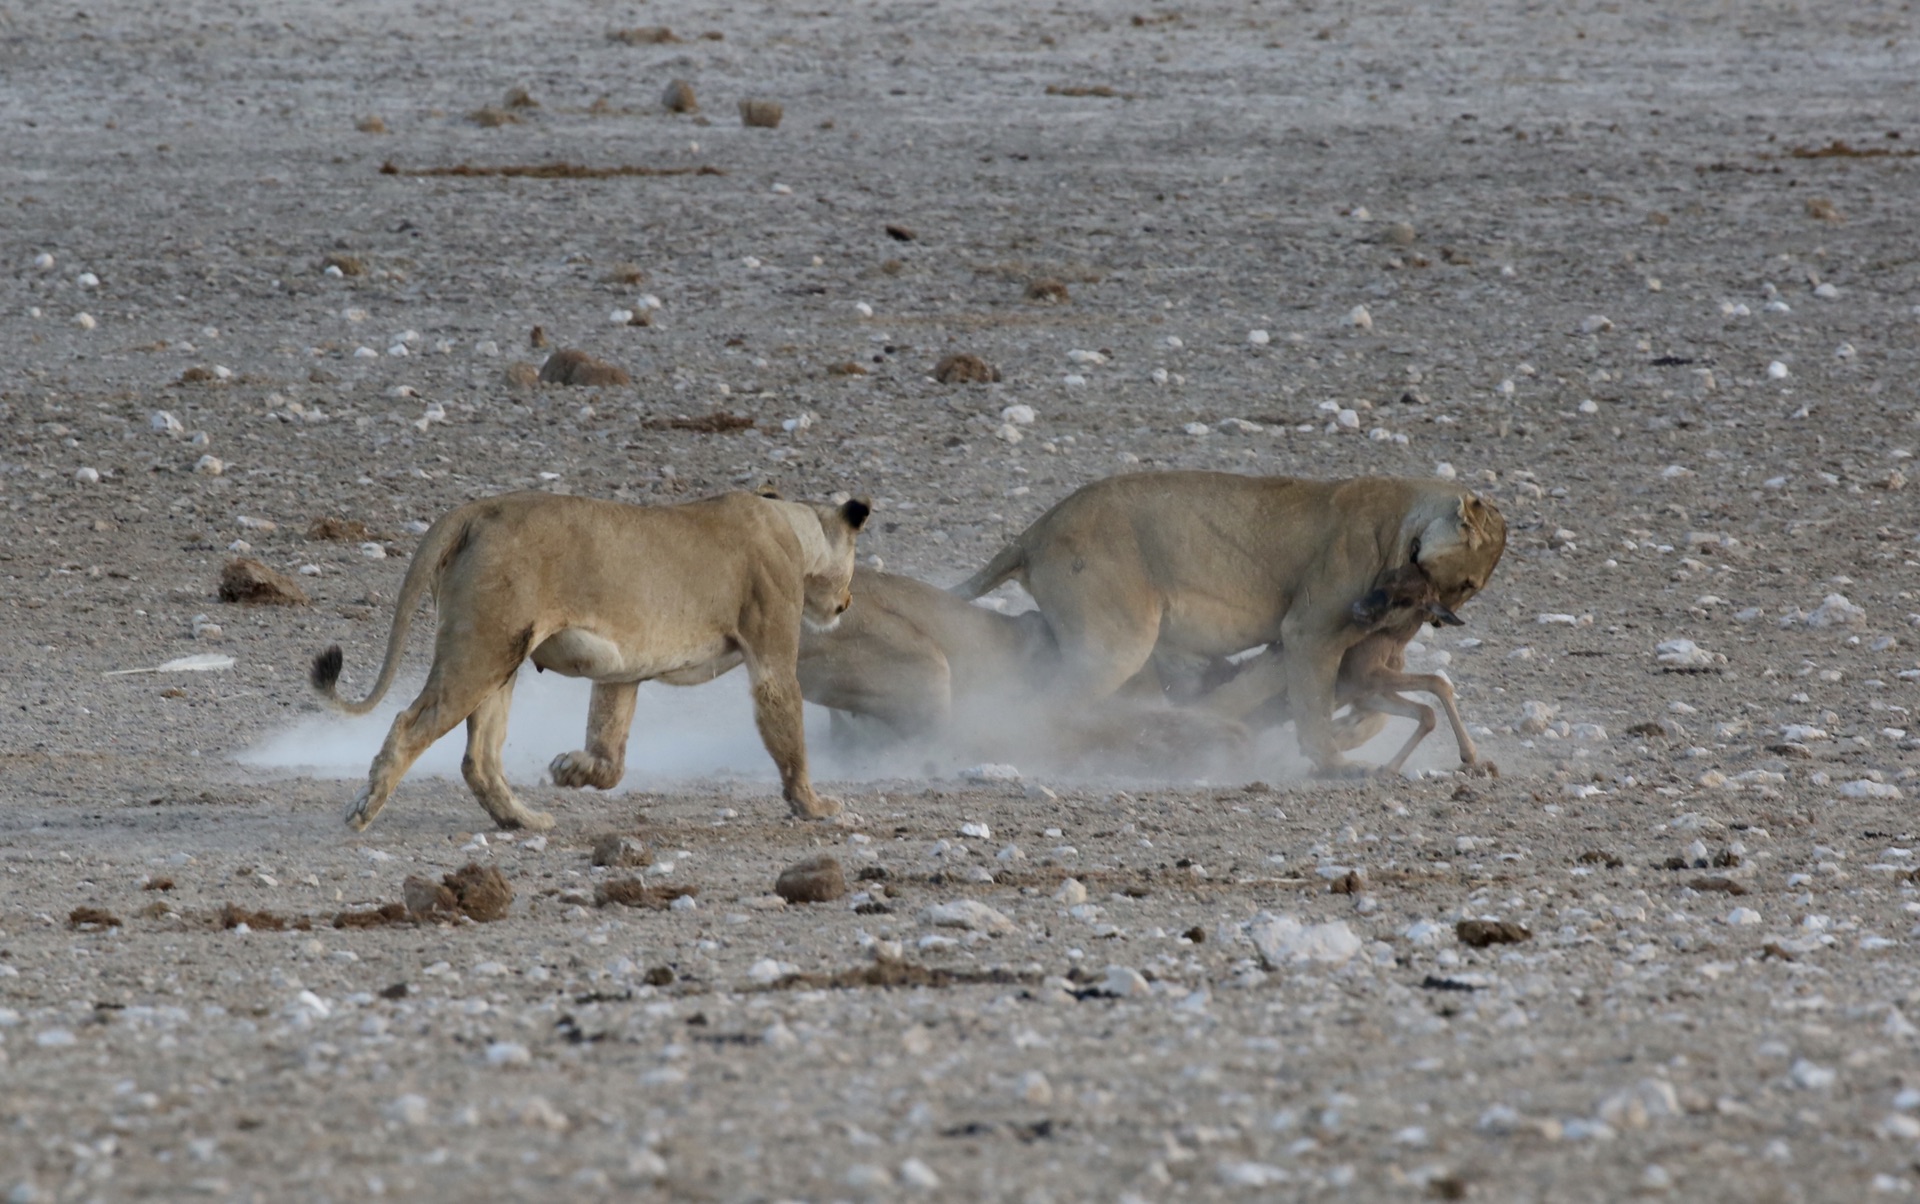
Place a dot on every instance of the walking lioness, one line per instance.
(1191, 566)
(617, 593)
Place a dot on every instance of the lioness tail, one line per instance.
(1008, 563)
(440, 544)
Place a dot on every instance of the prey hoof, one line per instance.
(1480, 769)
(359, 815)
(578, 769)
(820, 806)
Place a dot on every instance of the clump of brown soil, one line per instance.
(1048, 291)
(643, 35)
(247, 580)
(679, 98)
(960, 368)
(349, 265)
(571, 366)
(1481, 933)
(480, 891)
(519, 98)
(339, 530)
(379, 917)
(490, 117)
(815, 880)
(92, 919)
(632, 892)
(372, 123)
(717, 423)
(900, 233)
(625, 273)
(522, 375)
(900, 974)
(764, 114)
(232, 916)
(846, 368)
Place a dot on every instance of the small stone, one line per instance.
(1740, 917)
(762, 114)
(87, 476)
(970, 914)
(1810, 1076)
(246, 580)
(1534, 717)
(990, 772)
(815, 880)
(918, 1175)
(522, 375)
(1125, 982)
(961, 368)
(1282, 940)
(372, 123)
(1596, 324)
(1776, 371)
(427, 899)
(1836, 611)
(1359, 318)
(1259, 338)
(679, 98)
(620, 852)
(508, 1053)
(1018, 415)
(1072, 893)
(1478, 934)
(571, 366)
(209, 466)
(84, 321)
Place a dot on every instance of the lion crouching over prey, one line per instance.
(617, 593)
(1176, 568)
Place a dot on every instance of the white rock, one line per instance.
(1826, 291)
(1550, 620)
(1866, 788)
(1424, 932)
(976, 831)
(209, 466)
(1359, 318)
(373, 551)
(1444, 471)
(1685, 654)
(1282, 940)
(84, 321)
(1591, 733)
(410, 1110)
(1534, 717)
(1741, 916)
(1199, 430)
(1836, 611)
(508, 1053)
(1239, 426)
(43, 262)
(163, 422)
(1018, 415)
(1008, 433)
(1811, 1076)
(1898, 1126)
(1035, 1089)
(863, 309)
(55, 1038)
(1776, 371)
(1596, 324)
(768, 971)
(970, 914)
(988, 771)
(918, 1175)
(86, 475)
(1072, 893)
(1346, 419)
(1250, 1174)
(1125, 982)
(1079, 356)
(1259, 338)
(620, 317)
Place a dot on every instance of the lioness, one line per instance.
(1373, 672)
(617, 593)
(928, 666)
(1199, 565)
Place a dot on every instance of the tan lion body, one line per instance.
(618, 594)
(1178, 568)
(929, 666)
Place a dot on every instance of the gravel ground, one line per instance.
(1644, 274)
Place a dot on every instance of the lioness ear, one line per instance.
(855, 511)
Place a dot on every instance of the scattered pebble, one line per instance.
(815, 880)
(970, 914)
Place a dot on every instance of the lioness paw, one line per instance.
(580, 769)
(819, 806)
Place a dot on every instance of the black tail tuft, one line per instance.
(325, 673)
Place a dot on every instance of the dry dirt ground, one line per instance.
(1644, 273)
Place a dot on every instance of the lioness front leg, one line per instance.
(777, 712)
(603, 761)
(1312, 661)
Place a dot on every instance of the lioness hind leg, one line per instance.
(442, 704)
(486, 776)
(603, 761)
